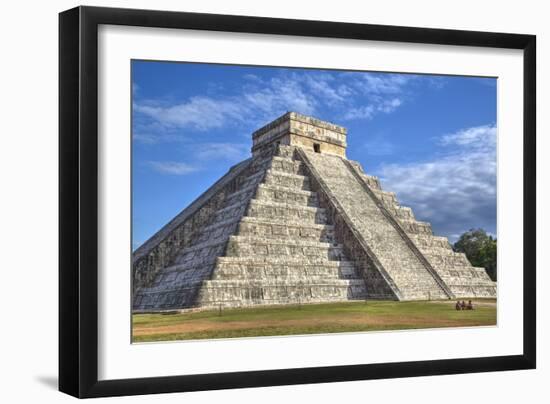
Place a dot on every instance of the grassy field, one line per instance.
(309, 319)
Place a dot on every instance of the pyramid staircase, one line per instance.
(269, 243)
(421, 266)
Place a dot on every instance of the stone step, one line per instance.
(285, 151)
(462, 283)
(411, 283)
(252, 179)
(401, 212)
(218, 231)
(282, 179)
(448, 261)
(177, 279)
(282, 240)
(243, 195)
(472, 291)
(426, 240)
(201, 254)
(424, 294)
(416, 227)
(231, 212)
(258, 164)
(184, 275)
(282, 282)
(286, 165)
(274, 193)
(467, 273)
(274, 261)
(214, 226)
(372, 181)
(387, 198)
(248, 268)
(166, 298)
(232, 294)
(253, 226)
(240, 246)
(437, 250)
(289, 214)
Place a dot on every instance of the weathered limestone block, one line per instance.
(416, 227)
(282, 179)
(286, 165)
(387, 198)
(273, 193)
(289, 213)
(251, 226)
(429, 241)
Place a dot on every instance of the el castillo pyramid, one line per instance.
(297, 223)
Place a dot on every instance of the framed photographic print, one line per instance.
(250, 201)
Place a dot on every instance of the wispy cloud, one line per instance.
(324, 86)
(200, 156)
(476, 138)
(382, 93)
(455, 191)
(173, 167)
(376, 83)
(232, 152)
(348, 95)
(368, 111)
(201, 113)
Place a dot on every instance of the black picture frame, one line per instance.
(78, 201)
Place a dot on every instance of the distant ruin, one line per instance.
(298, 223)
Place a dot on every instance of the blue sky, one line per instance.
(431, 139)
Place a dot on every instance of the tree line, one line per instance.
(481, 250)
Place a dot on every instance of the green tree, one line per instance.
(481, 250)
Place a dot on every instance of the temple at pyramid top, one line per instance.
(294, 129)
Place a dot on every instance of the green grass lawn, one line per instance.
(309, 319)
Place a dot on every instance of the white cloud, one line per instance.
(200, 113)
(478, 137)
(362, 112)
(232, 152)
(173, 167)
(378, 105)
(454, 192)
(376, 83)
(255, 105)
(320, 85)
(351, 95)
(275, 101)
(389, 105)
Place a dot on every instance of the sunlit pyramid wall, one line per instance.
(298, 223)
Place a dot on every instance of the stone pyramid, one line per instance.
(297, 223)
